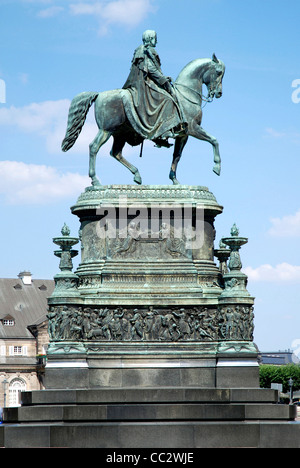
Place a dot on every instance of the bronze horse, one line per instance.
(111, 118)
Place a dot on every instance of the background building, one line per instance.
(23, 334)
(278, 358)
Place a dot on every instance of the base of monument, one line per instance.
(235, 375)
(172, 417)
(150, 341)
(122, 365)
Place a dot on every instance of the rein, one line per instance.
(204, 98)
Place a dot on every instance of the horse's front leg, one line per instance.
(198, 132)
(179, 145)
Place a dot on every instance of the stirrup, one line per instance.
(159, 142)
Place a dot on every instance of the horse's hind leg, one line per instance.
(116, 152)
(101, 138)
(179, 145)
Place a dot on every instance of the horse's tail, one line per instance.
(77, 114)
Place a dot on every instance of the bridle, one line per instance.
(206, 99)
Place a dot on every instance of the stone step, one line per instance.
(150, 417)
(149, 395)
(149, 412)
(156, 435)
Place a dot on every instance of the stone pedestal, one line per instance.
(134, 418)
(151, 340)
(148, 305)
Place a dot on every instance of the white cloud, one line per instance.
(50, 12)
(121, 12)
(48, 119)
(282, 272)
(37, 184)
(35, 116)
(274, 133)
(287, 226)
(291, 135)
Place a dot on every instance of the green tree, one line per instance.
(269, 373)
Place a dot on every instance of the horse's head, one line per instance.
(213, 77)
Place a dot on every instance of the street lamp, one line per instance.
(4, 382)
(291, 389)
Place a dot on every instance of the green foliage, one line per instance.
(269, 373)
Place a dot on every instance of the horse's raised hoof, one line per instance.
(137, 178)
(217, 169)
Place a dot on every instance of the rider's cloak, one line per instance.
(151, 110)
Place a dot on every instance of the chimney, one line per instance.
(25, 276)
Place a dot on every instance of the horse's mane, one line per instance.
(191, 70)
(192, 66)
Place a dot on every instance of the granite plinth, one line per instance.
(147, 364)
(151, 418)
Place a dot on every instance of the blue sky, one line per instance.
(51, 50)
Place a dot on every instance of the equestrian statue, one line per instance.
(150, 106)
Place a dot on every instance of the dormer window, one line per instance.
(25, 276)
(8, 322)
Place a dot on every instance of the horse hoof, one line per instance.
(175, 181)
(217, 169)
(95, 182)
(137, 179)
(172, 176)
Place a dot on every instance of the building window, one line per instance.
(15, 387)
(8, 322)
(18, 350)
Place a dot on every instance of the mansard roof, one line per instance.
(24, 302)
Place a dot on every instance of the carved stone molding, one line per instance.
(146, 192)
